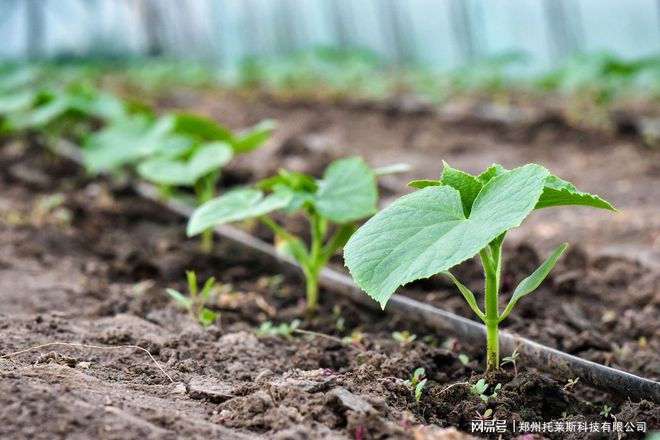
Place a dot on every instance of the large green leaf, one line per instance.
(128, 140)
(347, 192)
(426, 232)
(234, 206)
(182, 172)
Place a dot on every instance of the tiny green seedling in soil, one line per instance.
(267, 329)
(480, 388)
(606, 411)
(404, 337)
(417, 383)
(340, 322)
(196, 301)
(346, 193)
(450, 220)
(485, 416)
(511, 360)
(355, 338)
(570, 384)
(464, 358)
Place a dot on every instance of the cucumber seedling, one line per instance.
(195, 303)
(199, 165)
(346, 193)
(450, 220)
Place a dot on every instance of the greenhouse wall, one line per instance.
(434, 33)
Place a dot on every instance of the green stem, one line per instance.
(491, 265)
(206, 244)
(312, 291)
(319, 228)
(204, 191)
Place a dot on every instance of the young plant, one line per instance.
(480, 388)
(451, 220)
(606, 411)
(346, 193)
(417, 383)
(267, 329)
(404, 337)
(570, 384)
(199, 166)
(485, 416)
(511, 360)
(196, 301)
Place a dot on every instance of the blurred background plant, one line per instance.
(501, 52)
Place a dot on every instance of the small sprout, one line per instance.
(431, 340)
(486, 415)
(404, 337)
(564, 415)
(606, 411)
(196, 301)
(570, 384)
(643, 343)
(480, 388)
(452, 344)
(417, 383)
(511, 360)
(340, 322)
(267, 329)
(448, 221)
(464, 358)
(354, 339)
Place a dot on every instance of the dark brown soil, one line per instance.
(92, 268)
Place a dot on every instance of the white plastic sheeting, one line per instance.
(437, 33)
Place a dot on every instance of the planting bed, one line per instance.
(100, 278)
(605, 293)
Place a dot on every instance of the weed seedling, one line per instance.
(346, 193)
(417, 383)
(450, 220)
(511, 360)
(606, 411)
(196, 301)
(570, 384)
(355, 338)
(464, 358)
(404, 337)
(480, 388)
(267, 329)
(485, 416)
(340, 322)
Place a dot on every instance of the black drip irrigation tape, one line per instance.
(561, 365)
